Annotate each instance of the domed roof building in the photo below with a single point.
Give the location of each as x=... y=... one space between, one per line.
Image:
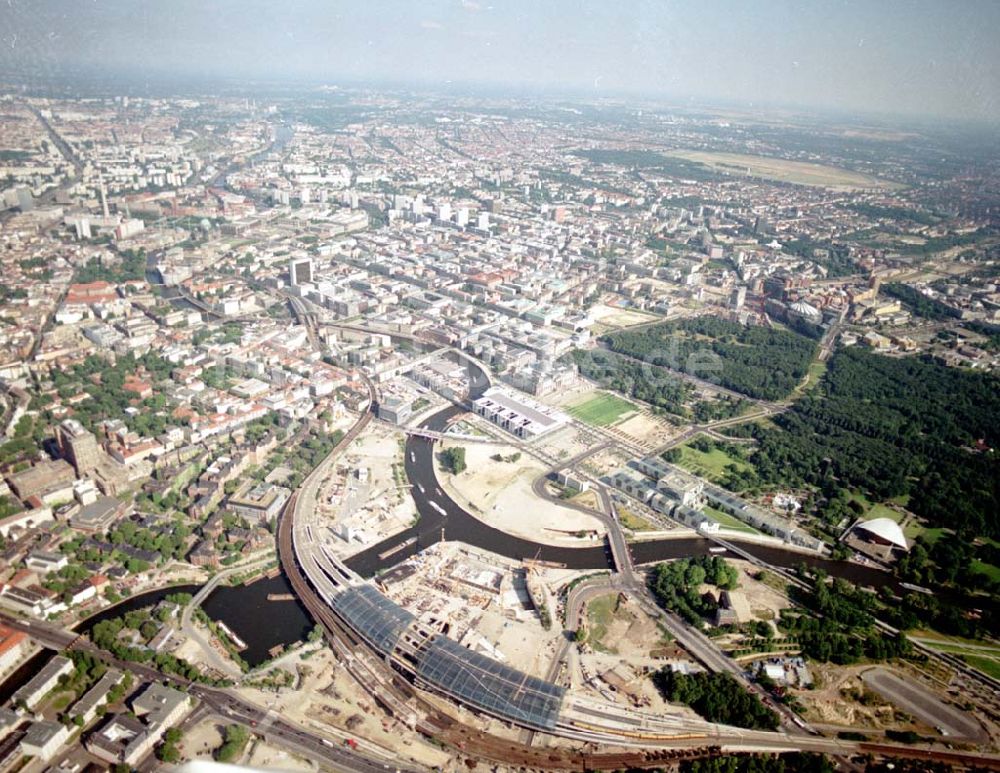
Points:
x=806 y=311
x=883 y=531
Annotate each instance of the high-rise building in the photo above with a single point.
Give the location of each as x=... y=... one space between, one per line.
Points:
x=104 y=199
x=129 y=228
x=444 y=212
x=78 y=445
x=300 y=271
x=25 y=201
x=82 y=226
x=737 y=298
x=462 y=217
x=484 y=221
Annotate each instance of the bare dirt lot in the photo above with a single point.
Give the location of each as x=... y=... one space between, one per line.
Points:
x=647 y=430
x=263 y=756
x=840 y=698
x=201 y=741
x=500 y=493
x=615 y=317
x=327 y=699
x=618 y=626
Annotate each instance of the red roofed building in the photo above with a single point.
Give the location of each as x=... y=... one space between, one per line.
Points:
x=99 y=581
x=489 y=279
x=13 y=645
x=92 y=292
x=136 y=385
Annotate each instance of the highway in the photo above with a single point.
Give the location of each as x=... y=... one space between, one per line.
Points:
x=626 y=580
x=397 y=697
x=429 y=496
x=366 y=670
x=435 y=509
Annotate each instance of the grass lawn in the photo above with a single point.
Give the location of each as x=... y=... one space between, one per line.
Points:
x=600 y=613
x=61 y=702
x=711 y=465
x=816 y=370
x=991 y=571
x=632 y=521
x=932 y=535
x=877 y=510
x=988 y=666
x=770 y=168
x=962 y=649
x=936 y=637
x=728 y=521
x=601 y=409
x=883 y=511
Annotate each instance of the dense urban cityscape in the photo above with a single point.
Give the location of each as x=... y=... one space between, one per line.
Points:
x=381 y=429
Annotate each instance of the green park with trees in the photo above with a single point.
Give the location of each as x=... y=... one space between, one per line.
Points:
x=764 y=363
x=716 y=697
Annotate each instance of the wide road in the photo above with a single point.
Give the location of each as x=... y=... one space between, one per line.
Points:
x=914 y=698
x=263 y=722
x=440 y=517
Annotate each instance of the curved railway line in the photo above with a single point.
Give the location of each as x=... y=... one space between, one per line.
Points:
x=400 y=699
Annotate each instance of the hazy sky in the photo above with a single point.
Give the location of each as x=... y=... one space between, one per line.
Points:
x=906 y=56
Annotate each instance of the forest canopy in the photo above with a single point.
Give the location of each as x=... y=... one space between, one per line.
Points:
x=766 y=363
x=894 y=427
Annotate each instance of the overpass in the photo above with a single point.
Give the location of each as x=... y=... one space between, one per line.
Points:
x=429 y=434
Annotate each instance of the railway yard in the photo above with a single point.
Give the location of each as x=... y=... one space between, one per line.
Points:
x=388 y=642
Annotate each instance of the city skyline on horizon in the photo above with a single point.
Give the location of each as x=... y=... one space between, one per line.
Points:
x=932 y=63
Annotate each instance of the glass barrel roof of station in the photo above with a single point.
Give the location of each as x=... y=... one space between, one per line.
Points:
x=490 y=685
x=378 y=619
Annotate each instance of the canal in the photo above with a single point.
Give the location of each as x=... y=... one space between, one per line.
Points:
x=441 y=517
x=262 y=623
x=263 y=613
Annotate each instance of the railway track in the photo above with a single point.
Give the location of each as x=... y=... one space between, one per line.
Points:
x=402 y=701
x=962 y=759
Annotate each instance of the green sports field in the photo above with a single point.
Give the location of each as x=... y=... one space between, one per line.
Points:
x=601 y=409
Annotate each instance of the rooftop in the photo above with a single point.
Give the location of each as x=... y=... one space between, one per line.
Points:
x=490 y=685
x=380 y=620
x=885 y=529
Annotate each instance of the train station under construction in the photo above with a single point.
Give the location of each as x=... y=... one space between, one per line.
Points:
x=445 y=666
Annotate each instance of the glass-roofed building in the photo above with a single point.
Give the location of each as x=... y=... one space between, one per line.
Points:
x=378 y=620
x=489 y=685
x=449 y=668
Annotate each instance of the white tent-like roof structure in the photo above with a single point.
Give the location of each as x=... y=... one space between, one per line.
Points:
x=885 y=530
